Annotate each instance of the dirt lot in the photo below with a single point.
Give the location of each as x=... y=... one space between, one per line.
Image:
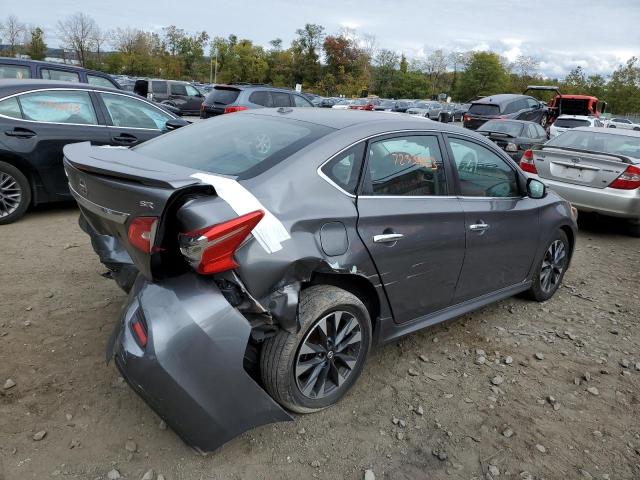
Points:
x=450 y=421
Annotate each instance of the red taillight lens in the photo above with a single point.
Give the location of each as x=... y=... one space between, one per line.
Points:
x=527 y=163
x=238 y=108
x=466 y=118
x=142 y=232
x=139 y=332
x=211 y=249
x=628 y=180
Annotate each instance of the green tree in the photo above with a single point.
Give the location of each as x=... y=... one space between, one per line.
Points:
x=623 y=90
x=484 y=75
x=305 y=48
x=36 y=48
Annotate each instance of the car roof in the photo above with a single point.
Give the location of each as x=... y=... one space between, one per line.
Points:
x=340 y=119
x=26 y=62
x=610 y=131
x=500 y=98
x=510 y=120
x=10 y=86
x=249 y=86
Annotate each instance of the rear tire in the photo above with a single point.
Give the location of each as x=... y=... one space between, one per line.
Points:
x=308 y=371
x=551 y=269
x=634 y=228
x=15 y=193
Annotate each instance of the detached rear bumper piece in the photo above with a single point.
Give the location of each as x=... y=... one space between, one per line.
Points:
x=191 y=370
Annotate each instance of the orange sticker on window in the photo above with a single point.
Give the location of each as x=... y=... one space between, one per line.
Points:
x=401 y=159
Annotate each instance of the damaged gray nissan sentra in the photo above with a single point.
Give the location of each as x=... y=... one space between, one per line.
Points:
x=265 y=252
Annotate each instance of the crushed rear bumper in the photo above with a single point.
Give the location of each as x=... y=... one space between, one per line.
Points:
x=191 y=370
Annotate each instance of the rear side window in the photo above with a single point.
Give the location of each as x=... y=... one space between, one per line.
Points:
x=100 y=81
x=261 y=97
x=14 y=71
x=300 y=101
x=241 y=144
x=484 y=109
x=405 y=166
x=60 y=75
x=222 y=96
x=58 y=106
x=571 y=122
x=10 y=108
x=159 y=87
x=178 y=89
x=281 y=99
x=130 y=112
x=344 y=169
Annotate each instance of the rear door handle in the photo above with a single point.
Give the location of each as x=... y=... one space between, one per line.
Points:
x=387 y=237
x=125 y=138
x=20 y=133
x=478 y=227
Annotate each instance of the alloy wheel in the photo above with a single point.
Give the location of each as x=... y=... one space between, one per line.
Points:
x=552 y=266
x=10 y=194
x=328 y=354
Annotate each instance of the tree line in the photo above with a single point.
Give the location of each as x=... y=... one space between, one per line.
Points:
x=346 y=62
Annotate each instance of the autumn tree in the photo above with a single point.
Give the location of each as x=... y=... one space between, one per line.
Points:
x=12 y=31
x=78 y=34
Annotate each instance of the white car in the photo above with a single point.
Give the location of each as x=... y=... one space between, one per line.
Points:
x=624 y=123
x=343 y=104
x=565 y=122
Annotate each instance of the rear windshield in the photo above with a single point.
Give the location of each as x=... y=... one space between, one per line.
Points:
x=222 y=96
x=484 y=109
x=597 y=141
x=237 y=144
x=571 y=122
x=499 y=126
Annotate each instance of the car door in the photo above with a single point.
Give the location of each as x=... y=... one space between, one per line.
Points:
x=501 y=223
x=46 y=122
x=194 y=99
x=131 y=120
x=411 y=223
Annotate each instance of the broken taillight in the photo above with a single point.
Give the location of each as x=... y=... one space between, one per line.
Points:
x=232 y=109
x=527 y=162
x=210 y=250
x=142 y=232
x=628 y=180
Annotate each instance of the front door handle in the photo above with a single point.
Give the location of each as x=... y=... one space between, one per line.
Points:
x=126 y=138
x=387 y=238
x=478 y=227
x=20 y=133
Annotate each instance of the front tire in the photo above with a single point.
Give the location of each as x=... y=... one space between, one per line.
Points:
x=551 y=269
x=15 y=193
x=314 y=368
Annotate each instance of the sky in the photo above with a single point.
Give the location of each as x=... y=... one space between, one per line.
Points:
x=562 y=34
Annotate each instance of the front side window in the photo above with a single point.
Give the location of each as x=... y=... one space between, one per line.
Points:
x=14 y=71
x=532 y=103
x=100 y=81
x=59 y=106
x=481 y=172
x=344 y=169
x=301 y=102
x=10 y=108
x=281 y=99
x=130 y=112
x=261 y=97
x=407 y=166
x=192 y=91
x=60 y=75
x=159 y=87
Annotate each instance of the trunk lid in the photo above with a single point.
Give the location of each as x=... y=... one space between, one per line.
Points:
x=113 y=186
x=590 y=169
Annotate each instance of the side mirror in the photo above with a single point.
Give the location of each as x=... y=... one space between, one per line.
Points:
x=536 y=189
x=175 y=123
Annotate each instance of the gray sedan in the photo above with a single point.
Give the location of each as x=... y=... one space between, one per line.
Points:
x=267 y=252
x=596 y=169
x=430 y=110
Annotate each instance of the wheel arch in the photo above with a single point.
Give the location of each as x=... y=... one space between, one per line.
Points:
x=568 y=231
x=32 y=176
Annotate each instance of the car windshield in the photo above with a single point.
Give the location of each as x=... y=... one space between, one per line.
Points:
x=241 y=145
x=598 y=141
x=572 y=122
x=500 y=126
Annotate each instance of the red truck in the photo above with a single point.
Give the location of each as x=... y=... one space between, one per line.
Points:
x=569 y=104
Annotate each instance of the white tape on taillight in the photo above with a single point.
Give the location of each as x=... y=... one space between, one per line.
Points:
x=270 y=232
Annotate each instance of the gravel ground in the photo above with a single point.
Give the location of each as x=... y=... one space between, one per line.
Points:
x=516 y=390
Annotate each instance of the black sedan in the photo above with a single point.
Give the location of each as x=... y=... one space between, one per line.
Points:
x=273 y=248
x=514 y=136
x=38 y=118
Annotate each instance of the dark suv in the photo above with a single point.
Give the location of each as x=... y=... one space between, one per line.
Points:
x=235 y=98
x=174 y=93
x=518 y=107
x=17 y=69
